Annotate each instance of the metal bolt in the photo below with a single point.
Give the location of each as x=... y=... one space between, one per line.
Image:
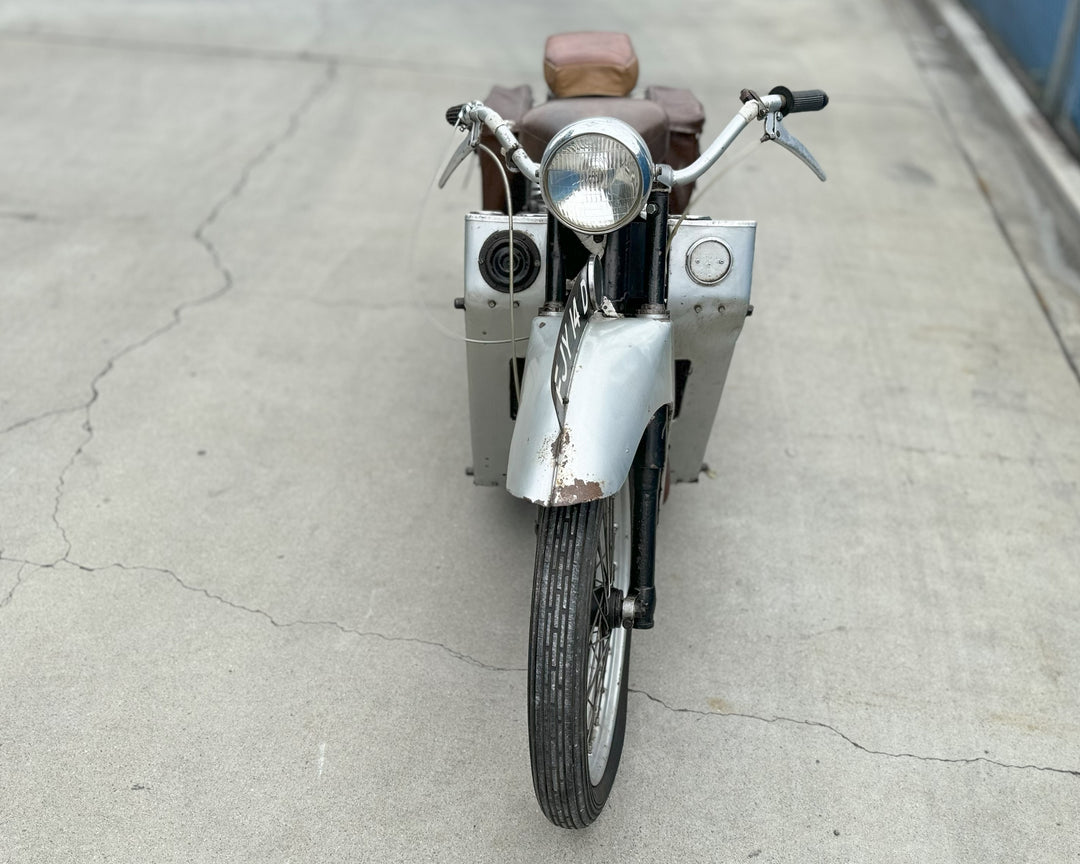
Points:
x=697 y=308
x=491 y=303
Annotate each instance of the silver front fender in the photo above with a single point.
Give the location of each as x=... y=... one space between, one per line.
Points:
x=624 y=374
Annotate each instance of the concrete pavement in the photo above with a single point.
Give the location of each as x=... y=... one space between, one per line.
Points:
x=251 y=609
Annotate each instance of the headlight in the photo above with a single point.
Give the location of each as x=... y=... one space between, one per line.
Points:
x=596 y=175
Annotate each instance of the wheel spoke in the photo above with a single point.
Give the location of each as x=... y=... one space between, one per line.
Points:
x=600 y=633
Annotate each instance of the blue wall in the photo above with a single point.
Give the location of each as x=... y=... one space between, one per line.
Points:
x=1028 y=31
x=1027 y=28
x=1072 y=91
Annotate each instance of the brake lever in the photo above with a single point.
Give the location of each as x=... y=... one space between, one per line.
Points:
x=775 y=131
x=464 y=149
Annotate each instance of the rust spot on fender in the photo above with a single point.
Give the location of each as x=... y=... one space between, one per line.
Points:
x=548 y=446
x=560 y=447
x=578 y=492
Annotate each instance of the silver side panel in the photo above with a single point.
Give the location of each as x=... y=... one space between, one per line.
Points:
x=487 y=320
x=622 y=377
x=707 y=320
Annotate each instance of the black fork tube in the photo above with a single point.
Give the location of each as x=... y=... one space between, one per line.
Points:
x=555 y=282
x=648 y=468
x=656 y=245
x=647 y=473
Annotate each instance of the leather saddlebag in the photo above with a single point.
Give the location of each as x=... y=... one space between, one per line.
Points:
x=686 y=119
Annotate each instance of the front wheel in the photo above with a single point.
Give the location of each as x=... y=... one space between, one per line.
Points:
x=579 y=656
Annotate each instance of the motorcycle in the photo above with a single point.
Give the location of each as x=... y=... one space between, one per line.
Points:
x=600 y=323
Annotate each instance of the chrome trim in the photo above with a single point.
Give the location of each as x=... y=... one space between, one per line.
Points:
x=690 y=266
x=750 y=111
x=480 y=113
x=619 y=131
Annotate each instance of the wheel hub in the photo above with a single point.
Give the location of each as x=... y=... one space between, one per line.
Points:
x=607 y=610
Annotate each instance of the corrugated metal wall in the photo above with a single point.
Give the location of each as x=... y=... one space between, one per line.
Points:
x=1042 y=39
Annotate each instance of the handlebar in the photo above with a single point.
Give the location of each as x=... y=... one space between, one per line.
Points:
x=478 y=112
x=780 y=101
x=796 y=101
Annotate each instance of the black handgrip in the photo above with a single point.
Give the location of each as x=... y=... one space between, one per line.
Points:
x=453 y=112
x=801 y=100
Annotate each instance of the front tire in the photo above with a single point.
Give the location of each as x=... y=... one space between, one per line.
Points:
x=579 y=655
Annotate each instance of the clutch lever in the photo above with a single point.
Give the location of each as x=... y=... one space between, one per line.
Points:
x=464 y=148
x=775 y=131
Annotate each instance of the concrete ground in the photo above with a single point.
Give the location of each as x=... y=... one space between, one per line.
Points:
x=251 y=609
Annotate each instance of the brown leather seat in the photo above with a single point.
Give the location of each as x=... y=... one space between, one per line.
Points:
x=590 y=64
x=592 y=74
x=540 y=124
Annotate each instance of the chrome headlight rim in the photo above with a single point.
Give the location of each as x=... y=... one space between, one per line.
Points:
x=620 y=132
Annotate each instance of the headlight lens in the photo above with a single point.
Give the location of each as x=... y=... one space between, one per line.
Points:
x=596 y=175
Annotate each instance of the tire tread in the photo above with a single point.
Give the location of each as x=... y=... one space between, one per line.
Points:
x=565 y=557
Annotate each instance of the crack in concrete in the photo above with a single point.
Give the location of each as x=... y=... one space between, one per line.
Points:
x=18 y=579
x=210 y=595
x=453 y=652
x=460 y=655
x=200 y=235
x=473 y=661
x=816 y=724
x=291 y=128
x=227 y=282
x=30 y=421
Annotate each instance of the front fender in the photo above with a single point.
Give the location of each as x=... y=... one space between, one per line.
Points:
x=623 y=375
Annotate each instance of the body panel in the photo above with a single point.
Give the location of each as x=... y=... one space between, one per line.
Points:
x=705 y=321
x=487 y=321
x=623 y=375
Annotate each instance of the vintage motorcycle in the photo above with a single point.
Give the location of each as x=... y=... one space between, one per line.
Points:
x=600 y=327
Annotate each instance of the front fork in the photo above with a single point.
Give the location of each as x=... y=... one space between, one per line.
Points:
x=648 y=470
x=649 y=297
x=647 y=477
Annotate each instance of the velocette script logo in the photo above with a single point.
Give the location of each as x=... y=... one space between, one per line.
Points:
x=579 y=306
